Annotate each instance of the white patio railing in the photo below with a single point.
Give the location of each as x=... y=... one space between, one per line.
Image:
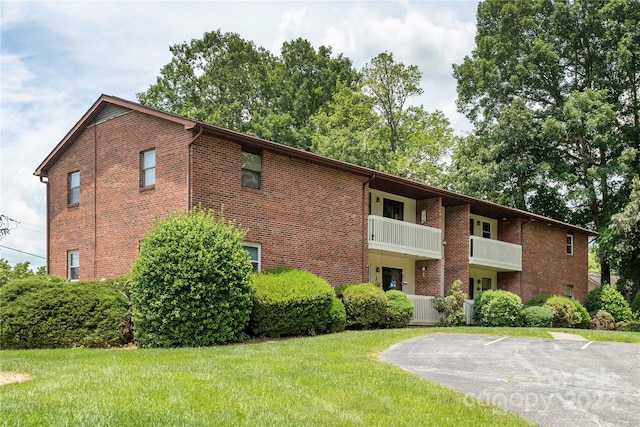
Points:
x=425 y=313
x=404 y=237
x=495 y=253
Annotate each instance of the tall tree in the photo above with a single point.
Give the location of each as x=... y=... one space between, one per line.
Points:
x=226 y=80
x=576 y=67
x=390 y=84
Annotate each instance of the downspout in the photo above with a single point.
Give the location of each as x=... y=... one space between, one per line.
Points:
x=189 y=166
x=95 y=199
x=365 y=229
x=46 y=182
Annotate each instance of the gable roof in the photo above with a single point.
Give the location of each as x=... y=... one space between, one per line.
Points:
x=103 y=108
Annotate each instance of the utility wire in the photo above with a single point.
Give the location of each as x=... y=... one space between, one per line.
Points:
x=22 y=252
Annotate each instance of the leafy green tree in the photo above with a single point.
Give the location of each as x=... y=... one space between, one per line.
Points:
x=622 y=241
x=574 y=70
x=226 y=80
x=390 y=85
x=191 y=282
x=19 y=271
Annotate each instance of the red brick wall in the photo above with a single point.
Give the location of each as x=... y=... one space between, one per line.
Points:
x=124 y=211
x=428 y=271
x=547 y=269
x=456 y=250
x=305 y=215
x=510 y=231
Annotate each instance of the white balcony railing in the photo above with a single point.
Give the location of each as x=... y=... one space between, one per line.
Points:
x=404 y=237
x=494 y=253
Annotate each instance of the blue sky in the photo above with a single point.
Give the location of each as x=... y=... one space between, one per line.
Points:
x=57 y=58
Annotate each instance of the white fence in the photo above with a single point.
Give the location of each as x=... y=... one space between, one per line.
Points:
x=425 y=313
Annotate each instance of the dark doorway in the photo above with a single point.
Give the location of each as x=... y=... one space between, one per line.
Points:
x=391 y=278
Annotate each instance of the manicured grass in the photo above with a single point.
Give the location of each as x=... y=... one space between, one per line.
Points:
x=326 y=380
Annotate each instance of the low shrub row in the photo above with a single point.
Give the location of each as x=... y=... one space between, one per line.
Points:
x=367 y=306
x=41 y=312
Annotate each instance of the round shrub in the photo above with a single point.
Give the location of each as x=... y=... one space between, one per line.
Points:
x=337 y=317
x=609 y=299
x=365 y=305
x=37 y=312
x=602 y=320
x=290 y=302
x=539 y=299
x=566 y=312
x=537 y=317
x=190 y=282
x=633 y=326
x=498 y=308
x=399 y=310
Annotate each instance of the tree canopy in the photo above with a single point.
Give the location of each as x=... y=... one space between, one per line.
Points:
x=553 y=88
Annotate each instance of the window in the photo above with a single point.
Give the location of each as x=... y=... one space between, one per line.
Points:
x=73 y=193
x=486 y=230
x=251 y=168
x=569 y=244
x=570 y=291
x=486 y=283
x=73 y=265
x=148 y=168
x=393 y=209
x=254 y=255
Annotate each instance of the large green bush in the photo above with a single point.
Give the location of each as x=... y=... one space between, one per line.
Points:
x=190 y=282
x=497 y=308
x=337 y=317
x=539 y=299
x=399 y=310
x=452 y=306
x=537 y=317
x=40 y=312
x=365 y=305
x=609 y=299
x=290 y=302
x=567 y=312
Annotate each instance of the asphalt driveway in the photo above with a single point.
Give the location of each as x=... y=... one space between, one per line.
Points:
x=550 y=382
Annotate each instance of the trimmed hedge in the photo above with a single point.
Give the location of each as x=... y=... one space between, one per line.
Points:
x=633 y=326
x=337 y=317
x=399 y=310
x=609 y=299
x=365 y=305
x=537 y=317
x=567 y=312
x=190 y=282
x=497 y=308
x=37 y=312
x=539 y=299
x=292 y=302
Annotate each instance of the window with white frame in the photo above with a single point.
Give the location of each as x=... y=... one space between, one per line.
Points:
x=148 y=168
x=251 y=168
x=73 y=188
x=569 y=244
x=254 y=255
x=73 y=265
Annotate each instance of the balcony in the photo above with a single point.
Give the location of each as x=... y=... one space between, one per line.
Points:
x=501 y=256
x=404 y=237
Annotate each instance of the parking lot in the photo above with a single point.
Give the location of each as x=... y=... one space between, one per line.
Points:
x=553 y=382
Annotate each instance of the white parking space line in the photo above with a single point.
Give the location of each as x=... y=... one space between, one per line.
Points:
x=495 y=341
x=586 y=345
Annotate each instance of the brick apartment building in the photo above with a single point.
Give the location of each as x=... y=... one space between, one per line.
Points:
x=123 y=165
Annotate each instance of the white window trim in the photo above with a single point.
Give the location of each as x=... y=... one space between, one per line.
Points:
x=144 y=168
x=570 y=245
x=259 y=247
x=70 y=265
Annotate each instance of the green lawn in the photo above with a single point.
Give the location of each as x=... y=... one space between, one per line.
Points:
x=326 y=380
